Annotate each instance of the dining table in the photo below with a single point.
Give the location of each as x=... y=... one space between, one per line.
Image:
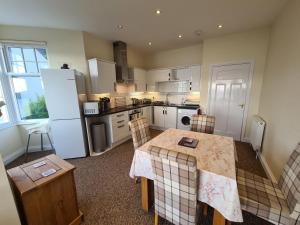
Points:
x=216 y=158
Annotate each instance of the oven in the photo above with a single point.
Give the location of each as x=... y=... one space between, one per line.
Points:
x=135 y=113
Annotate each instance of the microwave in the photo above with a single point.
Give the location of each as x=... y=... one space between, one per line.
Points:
x=91 y=108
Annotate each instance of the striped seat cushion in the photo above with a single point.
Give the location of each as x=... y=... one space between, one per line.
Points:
x=203 y=124
x=175 y=185
x=289 y=182
x=139 y=131
x=263 y=198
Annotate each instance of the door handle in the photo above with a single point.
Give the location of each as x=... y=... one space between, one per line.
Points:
x=241 y=105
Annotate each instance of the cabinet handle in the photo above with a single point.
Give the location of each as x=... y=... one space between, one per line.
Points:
x=121 y=121
x=166 y=112
x=115 y=86
x=120 y=115
x=121 y=126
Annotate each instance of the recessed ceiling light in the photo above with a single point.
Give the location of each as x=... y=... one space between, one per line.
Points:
x=180 y=36
x=158 y=11
x=150 y=43
x=220 y=26
x=120 y=26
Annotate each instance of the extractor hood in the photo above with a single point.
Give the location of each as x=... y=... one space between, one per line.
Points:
x=120 y=56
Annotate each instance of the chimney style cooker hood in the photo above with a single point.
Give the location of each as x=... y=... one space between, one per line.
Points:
x=123 y=75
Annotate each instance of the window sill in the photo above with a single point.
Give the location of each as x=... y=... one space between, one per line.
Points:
x=6 y=125
x=30 y=122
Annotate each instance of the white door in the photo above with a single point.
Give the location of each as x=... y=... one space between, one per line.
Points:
x=148 y=114
x=68 y=138
x=107 y=75
x=228 y=91
x=159 y=116
x=196 y=75
x=170 y=117
x=61 y=94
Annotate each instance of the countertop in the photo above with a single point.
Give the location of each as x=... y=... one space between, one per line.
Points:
x=132 y=107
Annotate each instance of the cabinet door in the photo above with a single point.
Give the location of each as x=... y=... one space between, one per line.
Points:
x=183 y=74
x=196 y=76
x=170 y=117
x=159 y=119
x=154 y=76
x=107 y=74
x=103 y=76
x=140 y=79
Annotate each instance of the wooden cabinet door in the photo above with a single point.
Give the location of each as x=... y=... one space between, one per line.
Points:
x=159 y=117
x=170 y=117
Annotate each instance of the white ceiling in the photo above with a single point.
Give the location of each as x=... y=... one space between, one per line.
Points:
x=141 y=24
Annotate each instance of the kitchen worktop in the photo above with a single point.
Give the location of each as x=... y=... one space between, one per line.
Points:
x=132 y=107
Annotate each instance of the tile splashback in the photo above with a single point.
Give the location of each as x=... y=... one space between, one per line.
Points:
x=154 y=96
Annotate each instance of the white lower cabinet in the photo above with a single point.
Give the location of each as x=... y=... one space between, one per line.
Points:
x=165 y=117
x=118 y=128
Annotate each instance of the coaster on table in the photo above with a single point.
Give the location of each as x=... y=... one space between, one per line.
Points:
x=188 y=142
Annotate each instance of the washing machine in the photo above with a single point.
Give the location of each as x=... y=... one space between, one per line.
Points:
x=184 y=117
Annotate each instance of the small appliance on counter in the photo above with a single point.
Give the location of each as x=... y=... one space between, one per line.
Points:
x=136 y=101
x=146 y=101
x=91 y=108
x=104 y=104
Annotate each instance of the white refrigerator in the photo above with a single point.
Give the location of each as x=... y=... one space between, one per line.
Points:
x=64 y=93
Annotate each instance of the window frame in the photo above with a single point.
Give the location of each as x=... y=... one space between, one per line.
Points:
x=12 y=105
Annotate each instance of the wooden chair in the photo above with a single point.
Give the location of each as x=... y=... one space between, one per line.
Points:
x=175 y=186
x=203 y=124
x=276 y=203
x=139 y=131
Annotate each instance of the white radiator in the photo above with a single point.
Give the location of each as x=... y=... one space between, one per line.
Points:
x=257 y=132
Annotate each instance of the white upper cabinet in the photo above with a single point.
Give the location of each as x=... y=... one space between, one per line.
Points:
x=196 y=77
x=183 y=73
x=103 y=76
x=139 y=79
x=156 y=75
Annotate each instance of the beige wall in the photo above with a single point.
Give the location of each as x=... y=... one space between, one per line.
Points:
x=10 y=141
x=279 y=104
x=96 y=47
x=246 y=46
x=176 y=57
x=64 y=46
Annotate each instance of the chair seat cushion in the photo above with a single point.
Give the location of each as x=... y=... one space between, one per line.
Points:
x=262 y=198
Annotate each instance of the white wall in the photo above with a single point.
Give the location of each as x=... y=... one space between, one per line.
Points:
x=246 y=46
x=279 y=104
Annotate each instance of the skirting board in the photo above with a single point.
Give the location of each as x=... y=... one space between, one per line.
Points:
x=16 y=154
x=267 y=168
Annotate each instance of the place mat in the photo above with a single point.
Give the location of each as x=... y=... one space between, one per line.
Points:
x=188 y=142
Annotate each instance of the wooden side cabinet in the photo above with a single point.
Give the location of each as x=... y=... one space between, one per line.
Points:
x=46 y=200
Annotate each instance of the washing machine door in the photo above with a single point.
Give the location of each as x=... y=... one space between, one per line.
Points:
x=186 y=120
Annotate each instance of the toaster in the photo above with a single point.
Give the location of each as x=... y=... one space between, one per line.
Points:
x=91 y=108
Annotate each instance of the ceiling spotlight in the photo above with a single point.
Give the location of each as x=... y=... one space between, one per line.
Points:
x=180 y=36
x=220 y=26
x=150 y=43
x=120 y=26
x=158 y=11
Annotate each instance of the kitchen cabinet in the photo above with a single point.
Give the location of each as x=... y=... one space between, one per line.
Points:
x=139 y=79
x=191 y=74
x=170 y=117
x=195 y=78
x=103 y=76
x=165 y=117
x=120 y=128
x=157 y=75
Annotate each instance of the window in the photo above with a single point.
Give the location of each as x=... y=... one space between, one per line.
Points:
x=23 y=64
x=4 y=118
